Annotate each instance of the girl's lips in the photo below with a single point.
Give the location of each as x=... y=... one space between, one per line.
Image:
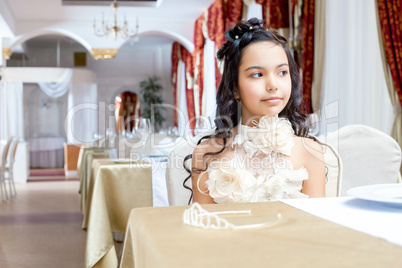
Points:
x=273 y=100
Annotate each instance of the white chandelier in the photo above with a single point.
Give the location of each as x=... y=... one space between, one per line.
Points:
x=114 y=30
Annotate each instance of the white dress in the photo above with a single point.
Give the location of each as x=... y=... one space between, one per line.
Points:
x=259 y=170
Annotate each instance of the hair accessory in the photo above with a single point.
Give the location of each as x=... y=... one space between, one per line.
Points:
x=251 y=27
x=196 y=216
x=236 y=37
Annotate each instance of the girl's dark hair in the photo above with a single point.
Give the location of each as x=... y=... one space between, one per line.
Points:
x=238 y=38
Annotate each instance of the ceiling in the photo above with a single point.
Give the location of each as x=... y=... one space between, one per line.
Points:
x=19 y=17
x=53 y=10
x=153 y=3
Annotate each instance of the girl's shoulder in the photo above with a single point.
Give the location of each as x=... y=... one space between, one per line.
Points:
x=306 y=151
x=212 y=149
x=306 y=144
x=211 y=145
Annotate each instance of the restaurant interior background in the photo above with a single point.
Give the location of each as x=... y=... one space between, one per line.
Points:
x=348 y=67
x=70 y=219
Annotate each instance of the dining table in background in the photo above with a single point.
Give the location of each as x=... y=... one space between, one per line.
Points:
x=84 y=167
x=46 y=152
x=310 y=233
x=159 y=190
x=115 y=187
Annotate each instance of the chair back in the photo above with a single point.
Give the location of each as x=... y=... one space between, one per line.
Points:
x=368 y=155
x=5 y=152
x=333 y=169
x=13 y=151
x=176 y=174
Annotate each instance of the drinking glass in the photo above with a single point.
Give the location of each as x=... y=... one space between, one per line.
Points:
x=313 y=123
x=110 y=136
x=141 y=132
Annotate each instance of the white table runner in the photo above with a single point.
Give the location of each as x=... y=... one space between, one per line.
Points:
x=374 y=218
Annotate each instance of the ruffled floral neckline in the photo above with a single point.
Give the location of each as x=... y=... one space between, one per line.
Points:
x=271 y=135
x=259 y=169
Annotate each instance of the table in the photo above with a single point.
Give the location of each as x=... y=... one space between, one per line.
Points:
x=156 y=237
x=93 y=171
x=159 y=190
x=85 y=159
x=46 y=152
x=116 y=190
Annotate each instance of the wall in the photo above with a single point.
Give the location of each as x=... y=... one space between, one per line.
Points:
x=132 y=64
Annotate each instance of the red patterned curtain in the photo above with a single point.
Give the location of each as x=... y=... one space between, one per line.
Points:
x=187 y=58
x=390 y=12
x=175 y=61
x=278 y=16
x=232 y=12
x=307 y=53
x=216 y=32
x=198 y=60
x=181 y=53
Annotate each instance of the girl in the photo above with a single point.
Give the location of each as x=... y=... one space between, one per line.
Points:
x=262 y=152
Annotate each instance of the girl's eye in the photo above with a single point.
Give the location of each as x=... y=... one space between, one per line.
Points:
x=256 y=75
x=283 y=73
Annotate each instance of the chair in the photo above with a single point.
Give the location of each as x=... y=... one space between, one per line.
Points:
x=10 y=167
x=333 y=168
x=369 y=156
x=3 y=169
x=176 y=174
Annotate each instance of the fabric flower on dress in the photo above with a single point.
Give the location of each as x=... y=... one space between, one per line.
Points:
x=273 y=134
x=228 y=185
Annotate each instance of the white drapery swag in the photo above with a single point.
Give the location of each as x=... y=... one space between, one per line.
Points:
x=354 y=88
x=59 y=88
x=183 y=120
x=82 y=117
x=11 y=99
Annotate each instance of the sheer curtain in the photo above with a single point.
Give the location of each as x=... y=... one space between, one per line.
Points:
x=82 y=117
x=254 y=10
x=209 y=92
x=354 y=86
x=12 y=117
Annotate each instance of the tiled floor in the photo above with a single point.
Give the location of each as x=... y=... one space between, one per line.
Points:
x=41 y=227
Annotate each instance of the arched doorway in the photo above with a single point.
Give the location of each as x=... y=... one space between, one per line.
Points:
x=127 y=107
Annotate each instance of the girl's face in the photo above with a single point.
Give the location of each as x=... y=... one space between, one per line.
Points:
x=264 y=80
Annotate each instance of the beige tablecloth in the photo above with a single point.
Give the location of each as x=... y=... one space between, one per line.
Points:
x=86 y=157
x=96 y=164
x=116 y=190
x=156 y=237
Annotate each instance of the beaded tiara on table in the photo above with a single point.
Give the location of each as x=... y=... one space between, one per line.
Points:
x=196 y=216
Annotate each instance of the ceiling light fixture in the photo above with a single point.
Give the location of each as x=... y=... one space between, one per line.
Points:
x=115 y=30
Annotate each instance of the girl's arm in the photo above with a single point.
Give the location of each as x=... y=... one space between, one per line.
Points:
x=200 y=191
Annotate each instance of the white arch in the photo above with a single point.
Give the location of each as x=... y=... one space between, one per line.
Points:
x=47 y=31
x=168 y=34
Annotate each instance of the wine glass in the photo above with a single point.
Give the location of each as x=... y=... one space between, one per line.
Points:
x=141 y=132
x=313 y=123
x=110 y=136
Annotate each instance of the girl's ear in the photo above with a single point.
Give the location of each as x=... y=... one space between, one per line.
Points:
x=236 y=95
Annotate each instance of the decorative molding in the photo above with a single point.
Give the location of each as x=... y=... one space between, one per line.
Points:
x=7 y=53
x=104 y=53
